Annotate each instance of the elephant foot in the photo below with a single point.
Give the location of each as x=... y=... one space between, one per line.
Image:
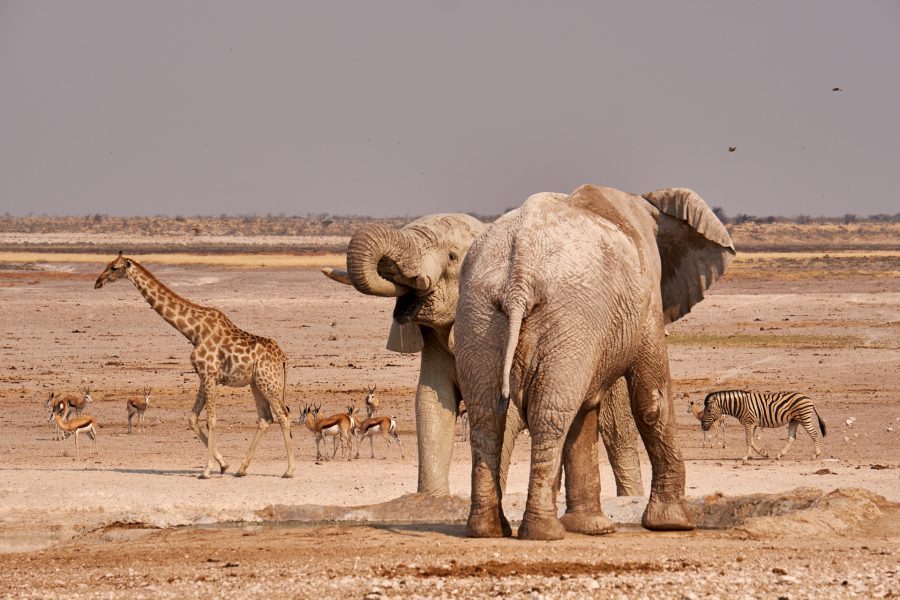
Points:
x=588 y=523
x=541 y=528
x=668 y=516
x=488 y=524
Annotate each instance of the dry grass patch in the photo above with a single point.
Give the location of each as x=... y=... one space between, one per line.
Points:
x=746 y=340
x=222 y=260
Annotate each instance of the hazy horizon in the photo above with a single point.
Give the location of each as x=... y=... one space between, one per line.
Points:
x=406 y=108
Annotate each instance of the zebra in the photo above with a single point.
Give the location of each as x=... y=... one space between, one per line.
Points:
x=760 y=409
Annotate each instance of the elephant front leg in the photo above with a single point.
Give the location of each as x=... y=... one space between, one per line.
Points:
x=584 y=513
x=436 y=406
x=654 y=415
x=621 y=438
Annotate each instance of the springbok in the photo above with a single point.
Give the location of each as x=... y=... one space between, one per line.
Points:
x=386 y=426
x=79 y=404
x=337 y=426
x=354 y=421
x=87 y=424
x=138 y=407
x=372 y=402
x=59 y=434
x=718 y=426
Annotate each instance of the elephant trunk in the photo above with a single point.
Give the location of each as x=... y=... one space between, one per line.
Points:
x=370 y=248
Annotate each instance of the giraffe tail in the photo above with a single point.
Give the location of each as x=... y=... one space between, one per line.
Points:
x=284 y=392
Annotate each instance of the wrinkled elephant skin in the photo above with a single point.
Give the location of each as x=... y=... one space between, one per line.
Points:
x=559 y=300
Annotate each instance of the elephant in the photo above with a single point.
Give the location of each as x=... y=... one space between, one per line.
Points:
x=559 y=300
x=419 y=264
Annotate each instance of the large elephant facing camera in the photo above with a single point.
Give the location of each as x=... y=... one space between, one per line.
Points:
x=419 y=265
x=559 y=299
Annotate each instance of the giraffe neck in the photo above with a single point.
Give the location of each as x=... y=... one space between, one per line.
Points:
x=183 y=315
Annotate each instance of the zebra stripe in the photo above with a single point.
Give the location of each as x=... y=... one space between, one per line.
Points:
x=765 y=410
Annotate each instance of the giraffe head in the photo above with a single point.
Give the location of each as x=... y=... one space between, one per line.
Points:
x=114 y=271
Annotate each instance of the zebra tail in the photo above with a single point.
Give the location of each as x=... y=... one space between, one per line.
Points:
x=821 y=424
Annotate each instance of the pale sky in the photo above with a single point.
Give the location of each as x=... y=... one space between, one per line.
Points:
x=415 y=107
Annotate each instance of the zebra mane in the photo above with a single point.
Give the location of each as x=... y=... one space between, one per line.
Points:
x=719 y=393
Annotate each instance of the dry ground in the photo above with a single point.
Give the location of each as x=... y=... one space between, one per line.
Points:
x=769 y=325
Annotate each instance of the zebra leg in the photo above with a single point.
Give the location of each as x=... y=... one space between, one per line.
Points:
x=722 y=428
x=748 y=434
x=762 y=453
x=808 y=426
x=792 y=435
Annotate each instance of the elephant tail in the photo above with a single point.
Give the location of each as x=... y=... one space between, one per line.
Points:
x=515 y=314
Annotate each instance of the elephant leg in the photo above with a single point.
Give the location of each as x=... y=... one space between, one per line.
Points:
x=654 y=413
x=583 y=511
x=436 y=406
x=552 y=406
x=621 y=438
x=486 y=518
x=514 y=426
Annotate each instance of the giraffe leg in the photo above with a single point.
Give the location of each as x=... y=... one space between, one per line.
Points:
x=261 y=427
x=288 y=445
x=195 y=426
x=792 y=435
x=265 y=416
x=209 y=388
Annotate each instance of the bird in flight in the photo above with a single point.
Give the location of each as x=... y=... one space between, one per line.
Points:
x=732 y=148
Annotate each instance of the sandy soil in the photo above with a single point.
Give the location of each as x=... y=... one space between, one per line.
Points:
x=834 y=336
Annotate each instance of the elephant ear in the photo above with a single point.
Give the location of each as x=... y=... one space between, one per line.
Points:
x=694 y=248
x=405 y=338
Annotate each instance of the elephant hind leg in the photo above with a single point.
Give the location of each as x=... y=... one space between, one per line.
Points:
x=553 y=407
x=654 y=414
x=486 y=518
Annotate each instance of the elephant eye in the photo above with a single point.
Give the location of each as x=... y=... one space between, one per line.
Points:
x=114 y=268
x=453 y=256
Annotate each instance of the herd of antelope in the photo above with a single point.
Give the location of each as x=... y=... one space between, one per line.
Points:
x=345 y=429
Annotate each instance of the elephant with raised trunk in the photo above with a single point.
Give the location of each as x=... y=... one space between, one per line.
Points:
x=419 y=265
x=559 y=300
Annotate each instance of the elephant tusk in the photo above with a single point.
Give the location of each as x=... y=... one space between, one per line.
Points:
x=338 y=275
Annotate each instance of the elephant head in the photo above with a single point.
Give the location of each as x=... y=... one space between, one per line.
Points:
x=419 y=265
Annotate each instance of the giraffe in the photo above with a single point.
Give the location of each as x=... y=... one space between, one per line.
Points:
x=223 y=354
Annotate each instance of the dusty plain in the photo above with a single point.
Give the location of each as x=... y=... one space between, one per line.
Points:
x=134 y=521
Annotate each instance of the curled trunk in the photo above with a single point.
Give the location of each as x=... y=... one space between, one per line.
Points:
x=373 y=247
